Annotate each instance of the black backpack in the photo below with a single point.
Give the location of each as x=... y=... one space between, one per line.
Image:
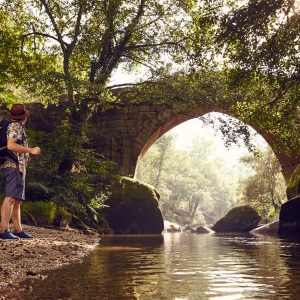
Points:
x=5 y=154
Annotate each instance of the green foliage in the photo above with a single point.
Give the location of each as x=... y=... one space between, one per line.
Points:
x=69 y=187
x=265 y=190
x=43 y=212
x=293 y=188
x=259 y=41
x=36 y=191
x=73 y=47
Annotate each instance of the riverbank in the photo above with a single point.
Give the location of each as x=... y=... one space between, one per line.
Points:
x=50 y=249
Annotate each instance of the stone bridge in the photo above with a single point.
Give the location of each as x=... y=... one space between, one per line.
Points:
x=124 y=134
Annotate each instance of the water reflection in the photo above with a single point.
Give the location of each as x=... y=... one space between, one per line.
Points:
x=180 y=266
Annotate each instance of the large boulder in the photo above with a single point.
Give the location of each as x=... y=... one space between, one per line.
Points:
x=293 y=188
x=133 y=207
x=289 y=218
x=267 y=229
x=239 y=219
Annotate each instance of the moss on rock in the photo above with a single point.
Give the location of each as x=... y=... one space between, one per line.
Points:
x=293 y=188
x=133 y=207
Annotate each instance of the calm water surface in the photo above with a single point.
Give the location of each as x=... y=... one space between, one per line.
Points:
x=179 y=266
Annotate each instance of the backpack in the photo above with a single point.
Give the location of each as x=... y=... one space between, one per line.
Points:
x=5 y=154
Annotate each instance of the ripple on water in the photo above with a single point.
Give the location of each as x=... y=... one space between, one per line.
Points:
x=179 y=266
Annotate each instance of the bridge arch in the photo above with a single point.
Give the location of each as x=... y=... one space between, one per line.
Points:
x=288 y=164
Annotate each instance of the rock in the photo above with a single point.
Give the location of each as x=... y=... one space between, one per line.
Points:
x=268 y=229
x=203 y=230
x=263 y=221
x=171 y=227
x=187 y=228
x=133 y=207
x=240 y=219
x=31 y=273
x=289 y=218
x=293 y=188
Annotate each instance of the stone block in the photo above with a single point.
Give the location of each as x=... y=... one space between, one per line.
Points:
x=147 y=115
x=144 y=108
x=132 y=116
x=117 y=123
x=131 y=123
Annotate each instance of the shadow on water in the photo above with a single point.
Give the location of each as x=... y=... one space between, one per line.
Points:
x=182 y=266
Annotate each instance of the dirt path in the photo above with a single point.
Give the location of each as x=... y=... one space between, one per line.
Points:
x=50 y=249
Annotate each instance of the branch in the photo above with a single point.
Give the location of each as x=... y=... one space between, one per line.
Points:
x=120 y=48
x=41 y=34
x=159 y=16
x=130 y=84
x=52 y=19
x=77 y=26
x=147 y=65
x=151 y=45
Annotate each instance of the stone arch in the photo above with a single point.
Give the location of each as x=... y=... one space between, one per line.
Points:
x=288 y=164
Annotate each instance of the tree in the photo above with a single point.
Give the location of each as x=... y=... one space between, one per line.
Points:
x=265 y=190
x=191 y=184
x=260 y=45
x=69 y=49
x=90 y=39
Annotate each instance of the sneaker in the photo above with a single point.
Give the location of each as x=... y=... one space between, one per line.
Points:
x=7 y=235
x=23 y=235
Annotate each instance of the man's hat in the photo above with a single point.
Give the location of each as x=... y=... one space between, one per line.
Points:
x=18 y=112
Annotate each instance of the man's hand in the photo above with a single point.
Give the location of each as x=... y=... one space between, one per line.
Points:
x=35 y=151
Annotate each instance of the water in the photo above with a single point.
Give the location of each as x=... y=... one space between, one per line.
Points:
x=179 y=266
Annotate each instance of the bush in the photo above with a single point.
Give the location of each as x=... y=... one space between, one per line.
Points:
x=36 y=191
x=38 y=213
x=293 y=188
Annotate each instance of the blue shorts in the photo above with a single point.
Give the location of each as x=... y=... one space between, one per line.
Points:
x=14 y=183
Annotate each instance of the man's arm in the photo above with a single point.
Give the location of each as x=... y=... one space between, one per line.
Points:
x=13 y=146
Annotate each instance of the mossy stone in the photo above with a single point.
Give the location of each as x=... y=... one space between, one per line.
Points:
x=293 y=188
x=240 y=219
x=133 y=207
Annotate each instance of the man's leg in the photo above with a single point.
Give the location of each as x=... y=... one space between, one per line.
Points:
x=6 y=212
x=16 y=216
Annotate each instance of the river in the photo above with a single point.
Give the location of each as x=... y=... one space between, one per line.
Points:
x=179 y=266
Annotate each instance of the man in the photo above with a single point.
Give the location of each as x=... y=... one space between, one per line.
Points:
x=14 y=174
